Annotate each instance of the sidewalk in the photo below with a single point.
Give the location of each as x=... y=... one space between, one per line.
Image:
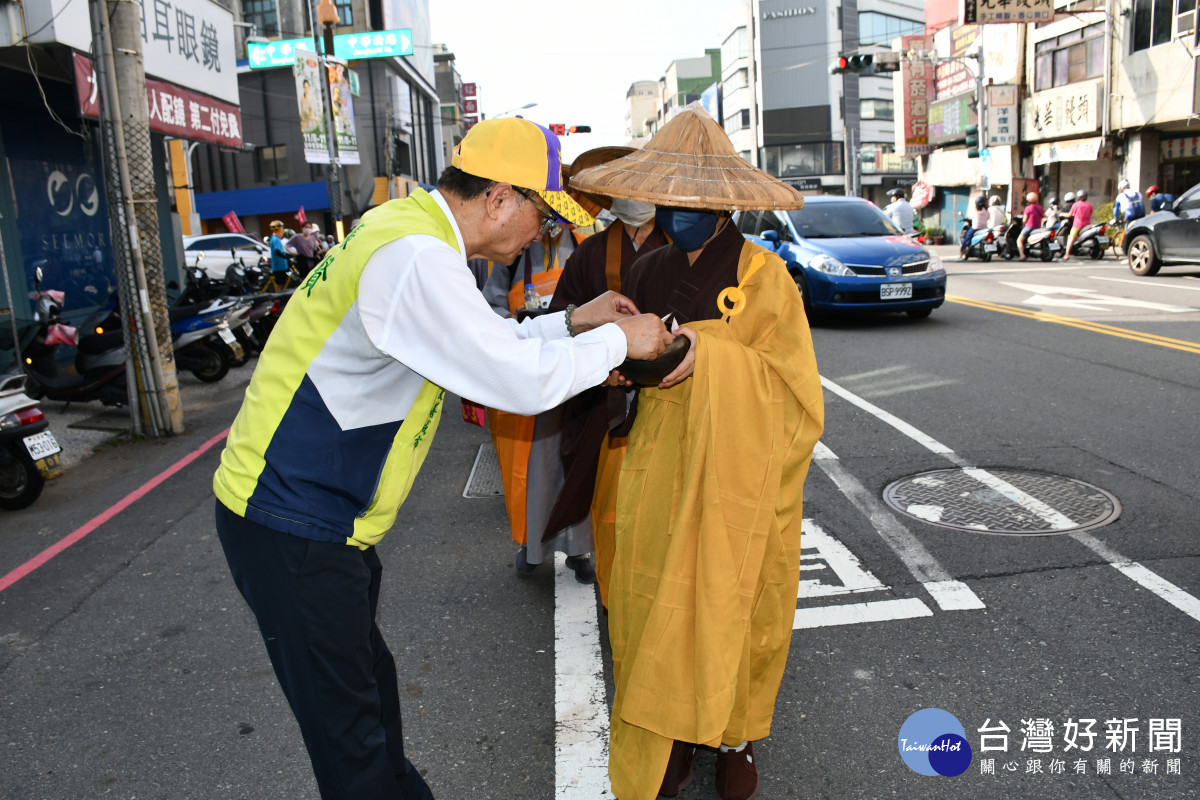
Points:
x=82 y=428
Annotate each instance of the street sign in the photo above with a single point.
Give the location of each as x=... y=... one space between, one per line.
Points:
x=280 y=53
x=373 y=44
x=348 y=46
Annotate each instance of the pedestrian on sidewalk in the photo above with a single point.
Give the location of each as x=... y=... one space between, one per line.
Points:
x=707 y=561
x=341 y=410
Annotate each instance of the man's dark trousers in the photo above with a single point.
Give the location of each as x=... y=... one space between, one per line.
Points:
x=315 y=604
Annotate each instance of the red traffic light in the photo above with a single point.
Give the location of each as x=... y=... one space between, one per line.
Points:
x=558 y=130
x=843 y=62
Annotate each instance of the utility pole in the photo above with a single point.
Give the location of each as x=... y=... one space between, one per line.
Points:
x=121 y=75
x=325 y=16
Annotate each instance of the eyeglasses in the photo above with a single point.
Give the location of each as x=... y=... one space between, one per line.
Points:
x=550 y=226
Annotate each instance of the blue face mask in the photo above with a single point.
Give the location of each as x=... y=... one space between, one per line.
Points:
x=688 y=228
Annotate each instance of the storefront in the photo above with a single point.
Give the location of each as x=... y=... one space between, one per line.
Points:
x=1063 y=127
x=1180 y=168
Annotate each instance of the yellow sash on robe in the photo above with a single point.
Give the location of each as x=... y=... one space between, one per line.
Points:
x=703 y=587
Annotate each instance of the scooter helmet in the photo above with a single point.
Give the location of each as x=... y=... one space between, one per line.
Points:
x=1122 y=185
x=1081 y=194
x=1031 y=197
x=896 y=193
x=979 y=202
x=994 y=200
x=1069 y=197
x=1053 y=201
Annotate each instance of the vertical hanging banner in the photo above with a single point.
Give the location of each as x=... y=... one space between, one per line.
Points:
x=914 y=86
x=343 y=113
x=310 y=96
x=233 y=223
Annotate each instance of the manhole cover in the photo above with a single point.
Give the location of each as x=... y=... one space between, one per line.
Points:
x=1012 y=502
x=485 y=479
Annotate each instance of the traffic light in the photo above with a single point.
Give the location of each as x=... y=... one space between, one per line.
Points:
x=972 y=132
x=579 y=129
x=861 y=62
x=557 y=129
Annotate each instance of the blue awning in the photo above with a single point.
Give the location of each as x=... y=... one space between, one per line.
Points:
x=263 y=200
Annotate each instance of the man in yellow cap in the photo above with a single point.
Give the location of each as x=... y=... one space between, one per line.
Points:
x=344 y=403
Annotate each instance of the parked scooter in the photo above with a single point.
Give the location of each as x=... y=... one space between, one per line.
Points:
x=1042 y=243
x=1007 y=240
x=29 y=453
x=99 y=361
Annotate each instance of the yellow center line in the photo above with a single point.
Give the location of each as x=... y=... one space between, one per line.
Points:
x=1095 y=327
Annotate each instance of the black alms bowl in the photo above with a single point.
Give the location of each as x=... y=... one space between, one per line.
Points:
x=651 y=373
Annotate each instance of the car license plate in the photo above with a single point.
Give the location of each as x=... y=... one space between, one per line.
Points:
x=989 y=248
x=1102 y=239
x=226 y=335
x=895 y=291
x=1055 y=246
x=41 y=445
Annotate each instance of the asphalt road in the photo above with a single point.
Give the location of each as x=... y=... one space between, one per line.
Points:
x=129 y=666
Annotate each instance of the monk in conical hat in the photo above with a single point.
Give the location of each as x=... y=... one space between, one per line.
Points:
x=702 y=594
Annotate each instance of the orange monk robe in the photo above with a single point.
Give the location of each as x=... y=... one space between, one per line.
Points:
x=703 y=589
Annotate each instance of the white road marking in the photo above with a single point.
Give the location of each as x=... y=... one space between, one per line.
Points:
x=1138 y=573
x=856 y=613
x=923 y=566
x=580 y=706
x=1150 y=282
x=1088 y=299
x=816 y=544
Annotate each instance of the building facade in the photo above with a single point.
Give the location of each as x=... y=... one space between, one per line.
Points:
x=739 y=101
x=641 y=112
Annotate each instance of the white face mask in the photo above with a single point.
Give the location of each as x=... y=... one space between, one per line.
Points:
x=632 y=212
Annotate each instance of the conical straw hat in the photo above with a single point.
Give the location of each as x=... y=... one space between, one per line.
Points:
x=592 y=203
x=690 y=163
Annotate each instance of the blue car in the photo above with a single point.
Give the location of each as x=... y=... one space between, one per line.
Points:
x=847 y=255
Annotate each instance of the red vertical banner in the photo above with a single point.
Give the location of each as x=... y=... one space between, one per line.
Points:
x=300 y=216
x=915 y=82
x=233 y=223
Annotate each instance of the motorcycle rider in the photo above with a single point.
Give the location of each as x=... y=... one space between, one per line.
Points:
x=900 y=211
x=1081 y=217
x=979 y=221
x=996 y=215
x=1033 y=219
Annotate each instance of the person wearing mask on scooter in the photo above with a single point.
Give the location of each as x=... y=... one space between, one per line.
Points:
x=900 y=211
x=1081 y=217
x=342 y=408
x=1032 y=217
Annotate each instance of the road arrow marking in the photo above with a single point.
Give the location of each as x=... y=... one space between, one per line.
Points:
x=1086 y=298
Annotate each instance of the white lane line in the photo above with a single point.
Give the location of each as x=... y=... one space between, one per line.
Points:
x=580 y=706
x=1056 y=519
x=928 y=442
x=1136 y=572
x=856 y=613
x=1146 y=282
x=924 y=567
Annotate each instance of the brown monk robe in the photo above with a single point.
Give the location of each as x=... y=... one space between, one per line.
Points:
x=702 y=594
x=601 y=262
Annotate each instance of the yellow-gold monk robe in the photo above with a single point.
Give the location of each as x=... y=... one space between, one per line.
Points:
x=703 y=587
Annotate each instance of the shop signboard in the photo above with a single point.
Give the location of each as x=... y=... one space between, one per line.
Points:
x=914 y=85
x=1073 y=150
x=174 y=110
x=1001 y=115
x=1067 y=111
x=986 y=12
x=948 y=119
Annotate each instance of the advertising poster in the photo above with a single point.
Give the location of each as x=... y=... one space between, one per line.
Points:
x=307 y=70
x=343 y=114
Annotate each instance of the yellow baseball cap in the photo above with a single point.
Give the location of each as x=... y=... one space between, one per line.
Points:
x=523 y=153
